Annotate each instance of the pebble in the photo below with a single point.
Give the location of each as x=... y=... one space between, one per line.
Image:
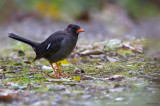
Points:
x=119 y=89
x=77 y=71
x=130 y=72
x=54 y=103
x=119 y=99
x=88 y=78
x=58 y=88
x=69 y=94
x=86 y=97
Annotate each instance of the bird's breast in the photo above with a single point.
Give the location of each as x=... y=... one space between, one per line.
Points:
x=68 y=46
x=65 y=50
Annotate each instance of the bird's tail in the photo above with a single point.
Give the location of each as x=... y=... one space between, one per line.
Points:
x=19 y=38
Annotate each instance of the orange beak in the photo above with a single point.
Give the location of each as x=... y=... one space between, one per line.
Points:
x=80 y=30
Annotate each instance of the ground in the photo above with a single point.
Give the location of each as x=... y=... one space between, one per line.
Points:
x=109 y=72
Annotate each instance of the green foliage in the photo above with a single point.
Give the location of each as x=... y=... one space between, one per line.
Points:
x=140 y=8
x=25 y=5
x=71 y=9
x=65 y=10
x=22 y=46
x=24 y=71
x=56 y=9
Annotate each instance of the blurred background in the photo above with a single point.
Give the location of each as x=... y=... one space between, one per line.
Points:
x=101 y=19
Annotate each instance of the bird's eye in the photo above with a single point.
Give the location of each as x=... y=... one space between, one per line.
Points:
x=72 y=28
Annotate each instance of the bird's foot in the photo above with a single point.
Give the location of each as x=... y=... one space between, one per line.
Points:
x=56 y=75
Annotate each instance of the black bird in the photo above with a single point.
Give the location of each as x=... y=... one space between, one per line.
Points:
x=56 y=47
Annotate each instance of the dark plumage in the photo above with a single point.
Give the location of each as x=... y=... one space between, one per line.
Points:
x=57 y=46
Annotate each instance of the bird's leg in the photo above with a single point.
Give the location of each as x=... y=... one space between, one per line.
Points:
x=53 y=69
x=60 y=74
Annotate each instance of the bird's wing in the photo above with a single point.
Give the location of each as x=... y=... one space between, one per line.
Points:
x=49 y=46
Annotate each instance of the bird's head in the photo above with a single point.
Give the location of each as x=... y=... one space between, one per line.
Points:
x=74 y=29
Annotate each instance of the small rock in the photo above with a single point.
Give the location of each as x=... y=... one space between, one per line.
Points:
x=2 y=77
x=71 y=84
x=102 y=79
x=54 y=103
x=99 y=66
x=137 y=73
x=134 y=73
x=57 y=88
x=119 y=99
x=86 y=97
x=28 y=101
x=111 y=59
x=117 y=77
x=27 y=61
x=69 y=94
x=85 y=61
x=77 y=71
x=59 y=101
x=119 y=89
x=108 y=96
x=130 y=73
x=141 y=72
x=88 y=78
x=39 y=103
x=97 y=56
x=47 y=69
x=113 y=43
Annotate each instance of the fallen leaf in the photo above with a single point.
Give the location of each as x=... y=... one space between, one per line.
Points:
x=77 y=78
x=6 y=98
x=136 y=49
x=75 y=60
x=7 y=95
x=111 y=59
x=63 y=62
x=91 y=52
x=117 y=77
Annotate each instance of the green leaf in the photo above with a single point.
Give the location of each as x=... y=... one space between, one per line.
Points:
x=77 y=78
